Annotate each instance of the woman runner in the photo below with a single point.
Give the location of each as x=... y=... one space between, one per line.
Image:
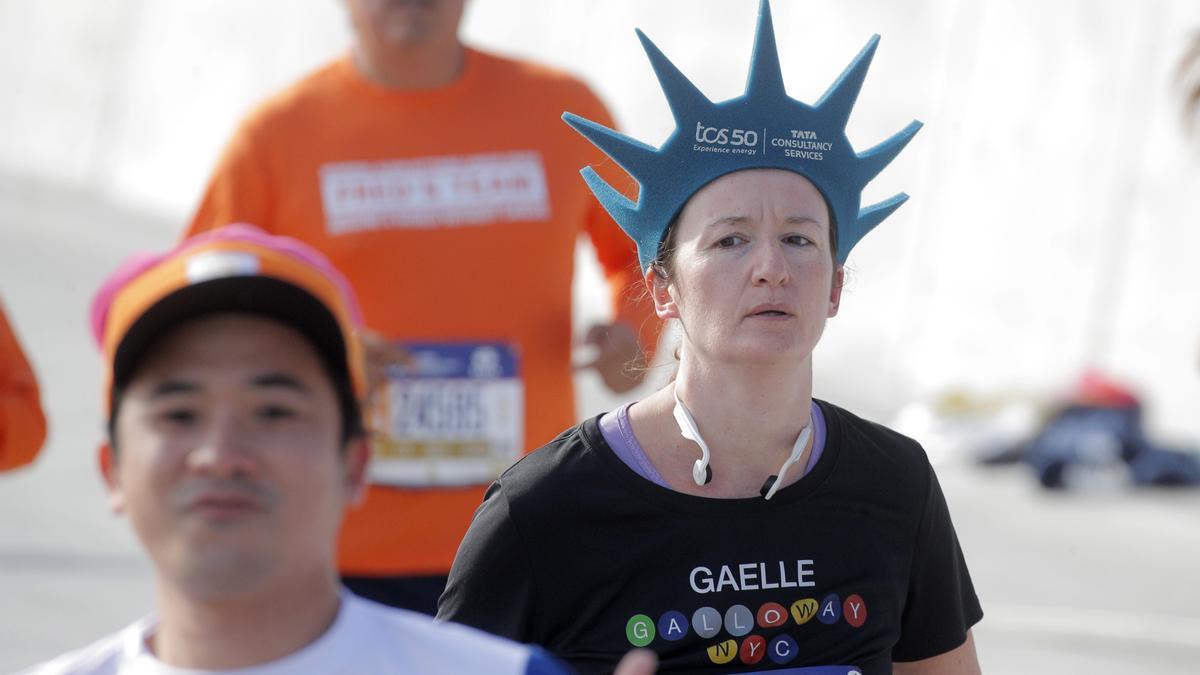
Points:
x=729 y=521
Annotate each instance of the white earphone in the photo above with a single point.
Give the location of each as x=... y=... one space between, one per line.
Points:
x=702 y=472
x=773 y=483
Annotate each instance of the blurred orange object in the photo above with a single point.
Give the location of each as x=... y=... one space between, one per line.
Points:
x=22 y=424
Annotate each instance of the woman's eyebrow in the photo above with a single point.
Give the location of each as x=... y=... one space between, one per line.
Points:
x=729 y=221
x=799 y=220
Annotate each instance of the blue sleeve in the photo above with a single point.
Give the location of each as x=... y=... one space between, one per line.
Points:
x=542 y=663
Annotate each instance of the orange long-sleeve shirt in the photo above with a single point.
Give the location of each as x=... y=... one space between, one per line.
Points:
x=22 y=424
x=454 y=213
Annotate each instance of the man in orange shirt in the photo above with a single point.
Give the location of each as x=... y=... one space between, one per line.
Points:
x=441 y=181
x=22 y=424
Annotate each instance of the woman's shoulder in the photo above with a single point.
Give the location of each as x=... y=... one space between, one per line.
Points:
x=574 y=455
x=871 y=444
x=859 y=428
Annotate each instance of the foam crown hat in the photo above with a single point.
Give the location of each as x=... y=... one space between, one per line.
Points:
x=762 y=128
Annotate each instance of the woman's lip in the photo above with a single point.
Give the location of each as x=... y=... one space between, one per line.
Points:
x=769 y=312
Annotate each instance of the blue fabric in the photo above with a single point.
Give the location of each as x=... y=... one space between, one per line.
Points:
x=763 y=128
x=542 y=663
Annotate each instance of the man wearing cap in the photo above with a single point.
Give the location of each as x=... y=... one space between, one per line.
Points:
x=22 y=424
x=235 y=445
x=438 y=178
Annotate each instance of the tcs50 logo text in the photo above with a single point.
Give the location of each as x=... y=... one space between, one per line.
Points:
x=725 y=136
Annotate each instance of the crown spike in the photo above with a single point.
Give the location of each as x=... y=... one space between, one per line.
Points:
x=876 y=158
x=637 y=158
x=766 y=78
x=868 y=218
x=839 y=100
x=762 y=128
x=620 y=207
x=682 y=95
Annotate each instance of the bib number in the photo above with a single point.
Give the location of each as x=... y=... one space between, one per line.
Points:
x=455 y=419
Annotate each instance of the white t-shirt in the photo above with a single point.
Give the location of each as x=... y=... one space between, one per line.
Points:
x=366 y=637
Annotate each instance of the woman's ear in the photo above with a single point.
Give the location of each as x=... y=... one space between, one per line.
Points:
x=660 y=291
x=835 y=293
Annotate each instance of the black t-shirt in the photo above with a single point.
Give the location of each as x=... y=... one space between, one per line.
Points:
x=854 y=566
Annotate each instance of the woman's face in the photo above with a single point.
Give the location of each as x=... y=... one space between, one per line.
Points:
x=753 y=277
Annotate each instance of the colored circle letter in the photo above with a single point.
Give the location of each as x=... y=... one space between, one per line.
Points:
x=639 y=630
x=804 y=610
x=723 y=652
x=855 y=610
x=783 y=649
x=771 y=615
x=672 y=625
x=738 y=620
x=831 y=609
x=753 y=649
x=706 y=621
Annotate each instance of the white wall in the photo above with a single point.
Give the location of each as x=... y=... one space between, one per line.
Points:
x=1052 y=224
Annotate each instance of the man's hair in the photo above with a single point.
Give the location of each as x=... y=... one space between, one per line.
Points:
x=352 y=426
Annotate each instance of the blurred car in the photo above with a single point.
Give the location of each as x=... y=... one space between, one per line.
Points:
x=1096 y=439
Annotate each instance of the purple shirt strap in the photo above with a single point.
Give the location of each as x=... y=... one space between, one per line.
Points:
x=614 y=426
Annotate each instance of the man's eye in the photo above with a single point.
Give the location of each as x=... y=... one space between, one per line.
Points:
x=179 y=416
x=276 y=412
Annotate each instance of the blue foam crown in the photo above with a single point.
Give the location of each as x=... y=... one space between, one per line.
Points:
x=762 y=128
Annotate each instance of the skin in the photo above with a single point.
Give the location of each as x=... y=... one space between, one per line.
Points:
x=231 y=469
x=753 y=282
x=638 y=662
x=618 y=357
x=407 y=44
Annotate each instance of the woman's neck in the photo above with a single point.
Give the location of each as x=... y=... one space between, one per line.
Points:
x=749 y=418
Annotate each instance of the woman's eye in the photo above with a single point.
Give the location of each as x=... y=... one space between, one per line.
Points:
x=798 y=240
x=728 y=242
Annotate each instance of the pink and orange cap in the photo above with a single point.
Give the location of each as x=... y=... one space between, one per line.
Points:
x=236 y=268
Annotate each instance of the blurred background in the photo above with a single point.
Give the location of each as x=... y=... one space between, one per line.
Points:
x=1046 y=264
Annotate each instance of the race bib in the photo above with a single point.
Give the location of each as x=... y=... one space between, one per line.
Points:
x=455 y=418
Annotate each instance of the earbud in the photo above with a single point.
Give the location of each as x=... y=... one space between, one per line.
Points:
x=767 y=485
x=701 y=471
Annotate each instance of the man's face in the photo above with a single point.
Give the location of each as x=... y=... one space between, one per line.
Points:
x=398 y=23
x=228 y=457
